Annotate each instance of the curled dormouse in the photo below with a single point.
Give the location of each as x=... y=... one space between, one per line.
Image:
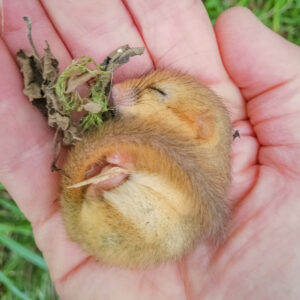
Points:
x=155 y=177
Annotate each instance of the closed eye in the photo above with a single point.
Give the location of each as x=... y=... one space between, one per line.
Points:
x=157 y=90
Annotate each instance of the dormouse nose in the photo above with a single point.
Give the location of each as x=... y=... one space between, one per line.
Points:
x=123 y=95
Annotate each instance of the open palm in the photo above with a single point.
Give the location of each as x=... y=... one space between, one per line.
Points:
x=258 y=75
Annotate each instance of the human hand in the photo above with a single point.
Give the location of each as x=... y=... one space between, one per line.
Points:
x=257 y=74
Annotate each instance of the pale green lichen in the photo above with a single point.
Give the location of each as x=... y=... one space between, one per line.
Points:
x=79 y=66
x=71 y=100
x=92 y=120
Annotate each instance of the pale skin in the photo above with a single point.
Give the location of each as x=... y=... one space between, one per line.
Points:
x=258 y=75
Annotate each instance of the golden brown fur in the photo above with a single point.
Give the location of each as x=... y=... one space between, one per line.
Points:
x=176 y=134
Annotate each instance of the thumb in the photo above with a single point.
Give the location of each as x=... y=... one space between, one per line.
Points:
x=266 y=68
x=256 y=58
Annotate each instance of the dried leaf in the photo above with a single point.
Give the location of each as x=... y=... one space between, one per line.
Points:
x=41 y=105
x=49 y=67
x=32 y=73
x=92 y=107
x=57 y=149
x=59 y=121
x=71 y=135
x=105 y=175
x=77 y=78
x=57 y=97
x=121 y=56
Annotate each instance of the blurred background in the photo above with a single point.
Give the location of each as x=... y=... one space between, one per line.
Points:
x=23 y=272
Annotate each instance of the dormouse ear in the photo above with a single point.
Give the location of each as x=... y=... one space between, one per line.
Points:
x=201 y=122
x=107 y=174
x=205 y=122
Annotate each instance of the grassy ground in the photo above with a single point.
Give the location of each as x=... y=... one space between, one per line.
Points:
x=23 y=272
x=282 y=16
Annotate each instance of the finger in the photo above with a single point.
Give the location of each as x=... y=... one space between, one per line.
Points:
x=266 y=68
x=15 y=29
x=25 y=145
x=26 y=140
x=95 y=28
x=26 y=148
x=256 y=58
x=243 y=162
x=61 y=254
x=179 y=36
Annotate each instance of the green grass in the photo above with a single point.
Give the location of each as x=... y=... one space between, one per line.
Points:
x=23 y=272
x=282 y=16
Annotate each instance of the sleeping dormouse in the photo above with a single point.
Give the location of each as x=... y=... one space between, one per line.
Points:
x=152 y=182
